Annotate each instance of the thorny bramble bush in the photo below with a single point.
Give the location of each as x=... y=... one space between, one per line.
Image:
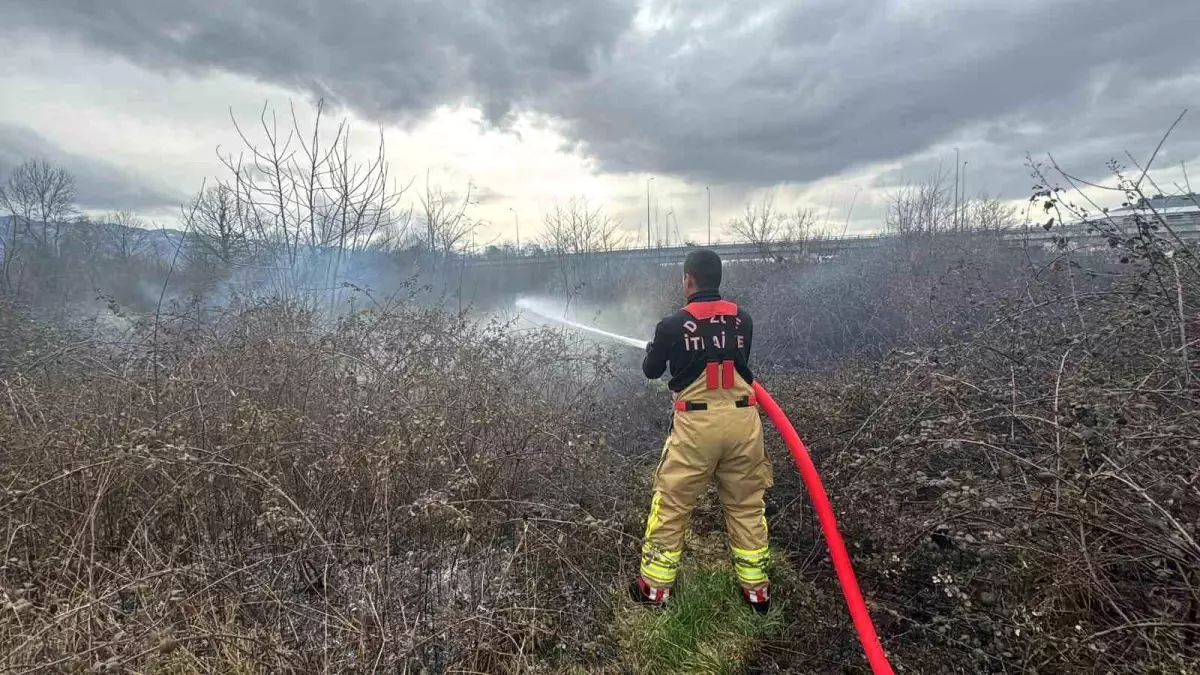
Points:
x=401 y=490
x=1025 y=498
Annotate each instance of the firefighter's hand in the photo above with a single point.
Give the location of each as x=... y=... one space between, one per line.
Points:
x=649 y=346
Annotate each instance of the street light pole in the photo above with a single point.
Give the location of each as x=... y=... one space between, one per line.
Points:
x=657 y=225
x=964 y=192
x=648 y=245
x=709 y=193
x=957 y=166
x=517 y=221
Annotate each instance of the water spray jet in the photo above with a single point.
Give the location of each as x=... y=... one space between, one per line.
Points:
x=532 y=307
x=816 y=490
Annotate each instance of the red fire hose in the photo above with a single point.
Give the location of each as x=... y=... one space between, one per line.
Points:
x=837 y=548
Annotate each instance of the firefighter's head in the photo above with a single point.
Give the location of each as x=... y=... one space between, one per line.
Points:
x=701 y=272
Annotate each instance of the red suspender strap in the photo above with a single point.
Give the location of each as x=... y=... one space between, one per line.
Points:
x=720 y=374
x=711 y=373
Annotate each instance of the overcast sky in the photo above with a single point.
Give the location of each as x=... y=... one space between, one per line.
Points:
x=827 y=102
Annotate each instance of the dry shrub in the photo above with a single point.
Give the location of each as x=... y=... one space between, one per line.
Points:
x=253 y=489
x=1025 y=499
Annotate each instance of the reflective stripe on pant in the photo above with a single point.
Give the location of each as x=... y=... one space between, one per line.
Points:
x=725 y=442
x=751 y=566
x=659 y=566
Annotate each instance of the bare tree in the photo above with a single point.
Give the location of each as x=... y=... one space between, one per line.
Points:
x=574 y=232
x=921 y=209
x=41 y=198
x=10 y=246
x=125 y=235
x=299 y=193
x=990 y=214
x=759 y=224
x=576 y=228
x=768 y=229
x=398 y=236
x=446 y=219
x=217 y=230
x=800 y=230
x=611 y=237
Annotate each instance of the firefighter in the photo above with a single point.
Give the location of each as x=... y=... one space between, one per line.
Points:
x=716 y=432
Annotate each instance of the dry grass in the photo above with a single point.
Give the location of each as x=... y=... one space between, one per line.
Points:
x=258 y=491
x=1025 y=499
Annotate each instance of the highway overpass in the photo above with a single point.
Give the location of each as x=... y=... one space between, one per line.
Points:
x=1184 y=222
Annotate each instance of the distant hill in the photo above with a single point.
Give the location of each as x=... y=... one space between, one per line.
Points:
x=161 y=242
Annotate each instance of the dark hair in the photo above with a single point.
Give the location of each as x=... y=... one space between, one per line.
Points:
x=705 y=267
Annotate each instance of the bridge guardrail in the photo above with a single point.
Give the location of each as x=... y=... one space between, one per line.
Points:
x=822 y=246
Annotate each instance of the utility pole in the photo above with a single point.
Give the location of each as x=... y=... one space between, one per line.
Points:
x=657 y=225
x=648 y=245
x=517 y=221
x=956 y=166
x=709 y=193
x=964 y=192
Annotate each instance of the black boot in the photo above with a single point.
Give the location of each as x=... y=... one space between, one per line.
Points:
x=759 y=599
x=644 y=594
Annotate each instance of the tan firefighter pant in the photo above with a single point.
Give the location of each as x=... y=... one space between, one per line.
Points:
x=724 y=441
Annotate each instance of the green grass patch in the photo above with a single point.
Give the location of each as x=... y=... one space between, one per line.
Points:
x=706 y=627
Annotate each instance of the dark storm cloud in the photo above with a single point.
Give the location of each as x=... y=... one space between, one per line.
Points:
x=821 y=87
x=98 y=185
x=389 y=59
x=722 y=92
